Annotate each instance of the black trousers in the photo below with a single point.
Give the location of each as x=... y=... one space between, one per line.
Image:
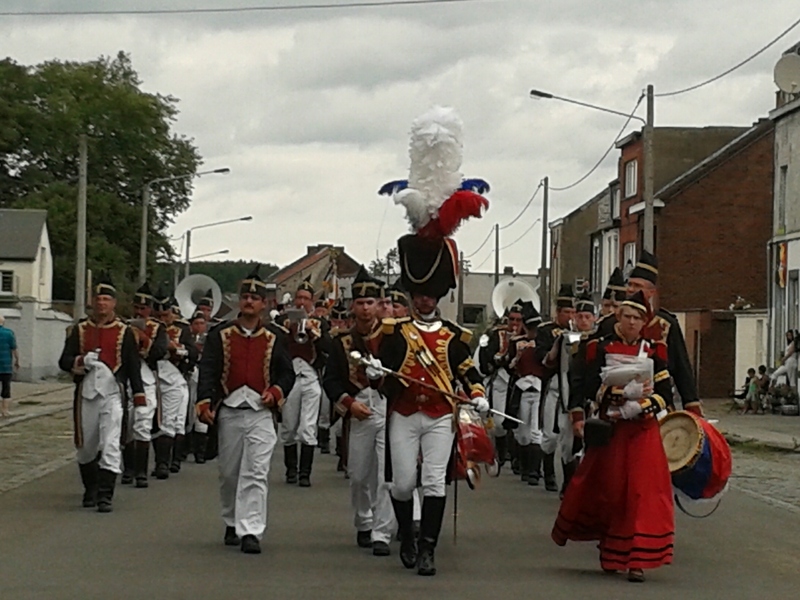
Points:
x=5 y=384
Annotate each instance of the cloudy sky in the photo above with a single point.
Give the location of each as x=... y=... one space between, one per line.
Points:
x=310 y=109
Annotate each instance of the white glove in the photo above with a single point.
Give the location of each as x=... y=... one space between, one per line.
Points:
x=634 y=390
x=630 y=410
x=481 y=404
x=374 y=368
x=91 y=360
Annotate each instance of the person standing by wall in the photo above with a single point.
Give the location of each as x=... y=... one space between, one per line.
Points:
x=9 y=364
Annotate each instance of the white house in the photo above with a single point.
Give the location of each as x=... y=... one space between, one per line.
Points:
x=26 y=263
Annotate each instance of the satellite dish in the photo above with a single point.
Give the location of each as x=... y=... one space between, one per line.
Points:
x=787 y=74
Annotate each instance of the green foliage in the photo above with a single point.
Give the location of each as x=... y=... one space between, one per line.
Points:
x=227 y=273
x=43 y=111
x=386 y=267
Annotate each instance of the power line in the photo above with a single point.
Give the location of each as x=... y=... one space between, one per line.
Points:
x=734 y=67
x=484 y=260
x=218 y=10
x=522 y=212
x=527 y=231
x=478 y=249
x=605 y=155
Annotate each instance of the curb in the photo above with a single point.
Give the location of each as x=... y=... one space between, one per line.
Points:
x=738 y=440
x=56 y=408
x=61 y=388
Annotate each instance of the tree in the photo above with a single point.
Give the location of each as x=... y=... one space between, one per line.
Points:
x=227 y=273
x=43 y=111
x=386 y=267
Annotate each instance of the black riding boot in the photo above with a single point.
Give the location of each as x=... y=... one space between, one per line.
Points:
x=501 y=447
x=524 y=454
x=141 y=456
x=127 y=464
x=550 y=473
x=89 y=474
x=430 y=527
x=513 y=452
x=535 y=464
x=200 y=442
x=569 y=471
x=306 y=460
x=324 y=442
x=404 y=513
x=177 y=454
x=163 y=449
x=290 y=460
x=105 y=490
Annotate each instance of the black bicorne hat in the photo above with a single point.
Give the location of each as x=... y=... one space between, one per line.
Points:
x=398 y=294
x=143 y=295
x=428 y=265
x=584 y=303
x=197 y=315
x=339 y=311
x=305 y=285
x=530 y=316
x=637 y=301
x=104 y=286
x=366 y=286
x=253 y=284
x=207 y=299
x=566 y=297
x=646 y=268
x=616 y=288
x=516 y=307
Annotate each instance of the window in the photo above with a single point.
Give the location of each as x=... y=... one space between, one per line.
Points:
x=628 y=258
x=7 y=282
x=474 y=314
x=631 y=178
x=793 y=305
x=781 y=209
x=42 y=264
x=615 y=202
x=596 y=284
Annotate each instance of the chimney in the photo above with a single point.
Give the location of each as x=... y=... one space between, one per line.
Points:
x=508 y=271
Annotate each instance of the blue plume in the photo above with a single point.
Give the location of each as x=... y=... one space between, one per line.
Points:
x=479 y=186
x=387 y=189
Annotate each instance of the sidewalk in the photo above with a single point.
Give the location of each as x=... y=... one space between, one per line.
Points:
x=771 y=431
x=31 y=400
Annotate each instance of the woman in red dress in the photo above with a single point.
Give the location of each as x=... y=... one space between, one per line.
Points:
x=621 y=494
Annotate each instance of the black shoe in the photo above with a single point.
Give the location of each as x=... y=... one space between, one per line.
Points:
x=89 y=474
x=141 y=457
x=550 y=473
x=105 y=490
x=89 y=498
x=306 y=460
x=128 y=460
x=177 y=454
x=535 y=464
x=290 y=462
x=364 y=539
x=163 y=447
x=380 y=549
x=304 y=481
x=127 y=478
x=231 y=539
x=324 y=441
x=426 y=564
x=250 y=545
x=409 y=552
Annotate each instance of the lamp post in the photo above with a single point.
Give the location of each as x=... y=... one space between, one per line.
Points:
x=146 y=206
x=647 y=142
x=176 y=268
x=186 y=268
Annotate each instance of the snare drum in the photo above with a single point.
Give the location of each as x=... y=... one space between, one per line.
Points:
x=698 y=455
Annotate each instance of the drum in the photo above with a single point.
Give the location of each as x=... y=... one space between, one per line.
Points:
x=698 y=455
x=473 y=446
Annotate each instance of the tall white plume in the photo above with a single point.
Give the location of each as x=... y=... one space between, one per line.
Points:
x=436 y=152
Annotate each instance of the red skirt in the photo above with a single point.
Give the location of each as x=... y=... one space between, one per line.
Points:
x=621 y=496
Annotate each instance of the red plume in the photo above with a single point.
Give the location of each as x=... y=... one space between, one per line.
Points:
x=457 y=208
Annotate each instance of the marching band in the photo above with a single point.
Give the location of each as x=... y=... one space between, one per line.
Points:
x=397 y=387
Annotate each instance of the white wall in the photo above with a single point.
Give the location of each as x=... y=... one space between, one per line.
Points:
x=478 y=291
x=787 y=146
x=751 y=343
x=40 y=339
x=34 y=279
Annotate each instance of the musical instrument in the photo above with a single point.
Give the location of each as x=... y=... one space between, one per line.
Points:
x=299 y=318
x=508 y=291
x=194 y=287
x=698 y=455
x=474 y=446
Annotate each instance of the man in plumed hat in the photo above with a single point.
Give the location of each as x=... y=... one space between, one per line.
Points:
x=663 y=326
x=151 y=338
x=424 y=346
x=358 y=399
x=554 y=354
x=101 y=353
x=245 y=375
x=524 y=394
x=309 y=343
x=173 y=371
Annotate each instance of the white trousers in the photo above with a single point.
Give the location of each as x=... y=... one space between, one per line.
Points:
x=301 y=410
x=247 y=439
x=324 y=420
x=552 y=441
x=369 y=492
x=408 y=437
x=174 y=405
x=101 y=428
x=788 y=370
x=499 y=391
x=140 y=418
x=192 y=422
x=530 y=430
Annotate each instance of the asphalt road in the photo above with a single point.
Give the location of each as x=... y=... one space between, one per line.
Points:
x=166 y=542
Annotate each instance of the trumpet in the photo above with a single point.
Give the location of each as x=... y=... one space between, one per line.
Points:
x=301 y=335
x=300 y=317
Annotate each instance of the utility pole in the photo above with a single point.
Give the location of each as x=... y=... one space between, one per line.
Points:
x=496 y=253
x=460 y=288
x=80 y=250
x=649 y=218
x=188 y=245
x=143 y=242
x=544 y=277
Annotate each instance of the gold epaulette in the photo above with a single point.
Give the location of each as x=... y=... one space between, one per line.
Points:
x=464 y=334
x=389 y=324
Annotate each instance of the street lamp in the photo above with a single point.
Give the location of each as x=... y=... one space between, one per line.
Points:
x=647 y=141
x=146 y=206
x=207 y=254
x=189 y=236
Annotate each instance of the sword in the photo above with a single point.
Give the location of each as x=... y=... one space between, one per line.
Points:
x=358 y=358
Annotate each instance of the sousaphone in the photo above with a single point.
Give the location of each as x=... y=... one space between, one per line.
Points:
x=192 y=289
x=508 y=291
